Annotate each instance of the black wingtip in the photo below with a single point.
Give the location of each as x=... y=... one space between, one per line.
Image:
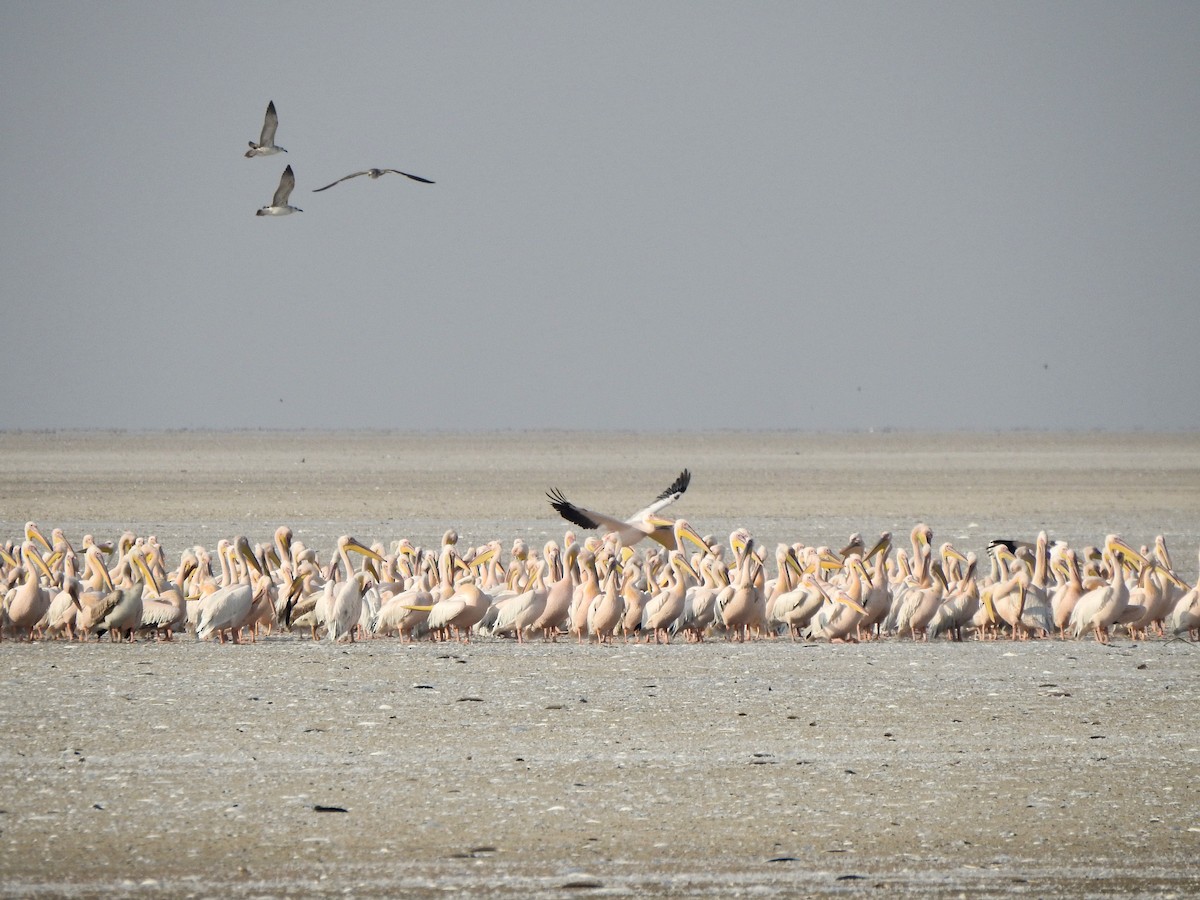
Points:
x=680 y=485
x=568 y=510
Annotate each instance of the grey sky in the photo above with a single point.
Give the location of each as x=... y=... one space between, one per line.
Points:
x=647 y=215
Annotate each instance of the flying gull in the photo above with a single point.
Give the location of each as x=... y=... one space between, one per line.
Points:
x=374 y=173
x=266 y=141
x=279 y=203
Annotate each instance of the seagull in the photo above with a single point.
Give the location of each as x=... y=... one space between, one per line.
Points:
x=279 y=203
x=266 y=141
x=374 y=173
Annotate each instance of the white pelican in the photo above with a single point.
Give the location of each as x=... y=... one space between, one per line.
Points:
x=346 y=605
x=1101 y=607
x=878 y=601
x=227 y=606
x=608 y=608
x=461 y=611
x=959 y=606
x=167 y=610
x=346 y=608
x=373 y=174
x=746 y=607
x=840 y=614
x=121 y=614
x=558 y=599
x=1158 y=590
x=266 y=141
x=667 y=605
x=521 y=611
x=1067 y=593
x=635 y=598
x=279 y=203
x=30 y=601
x=641 y=524
x=1186 y=615
x=700 y=601
x=924 y=598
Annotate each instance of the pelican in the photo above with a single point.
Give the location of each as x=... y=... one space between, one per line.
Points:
x=1102 y=607
x=1068 y=592
x=746 y=607
x=407 y=611
x=700 y=601
x=840 y=613
x=279 y=203
x=459 y=612
x=665 y=607
x=878 y=601
x=64 y=609
x=959 y=606
x=1158 y=590
x=266 y=141
x=227 y=606
x=558 y=600
x=30 y=601
x=608 y=608
x=463 y=609
x=122 y=612
x=641 y=524
x=635 y=599
x=347 y=603
x=346 y=608
x=167 y=611
x=583 y=595
x=1185 y=617
x=373 y=174
x=519 y=612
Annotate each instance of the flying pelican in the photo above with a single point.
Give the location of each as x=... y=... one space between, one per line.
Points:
x=373 y=174
x=279 y=203
x=266 y=141
x=641 y=524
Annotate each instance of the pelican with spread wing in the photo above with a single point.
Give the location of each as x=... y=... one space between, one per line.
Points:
x=645 y=523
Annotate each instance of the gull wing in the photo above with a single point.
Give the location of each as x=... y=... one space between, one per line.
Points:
x=406 y=175
x=287 y=181
x=270 y=123
x=340 y=180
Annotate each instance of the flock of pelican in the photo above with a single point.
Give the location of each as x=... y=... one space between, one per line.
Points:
x=687 y=587
x=280 y=204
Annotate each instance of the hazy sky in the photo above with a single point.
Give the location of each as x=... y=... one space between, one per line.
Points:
x=647 y=215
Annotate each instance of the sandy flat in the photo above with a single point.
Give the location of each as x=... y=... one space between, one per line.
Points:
x=774 y=768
